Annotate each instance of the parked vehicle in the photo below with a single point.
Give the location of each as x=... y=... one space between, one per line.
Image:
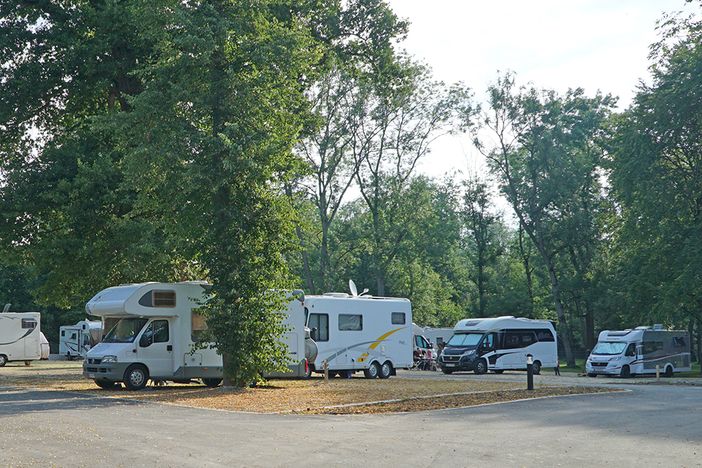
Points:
x=639 y=352
x=438 y=336
x=21 y=337
x=76 y=340
x=361 y=333
x=425 y=353
x=154 y=333
x=499 y=344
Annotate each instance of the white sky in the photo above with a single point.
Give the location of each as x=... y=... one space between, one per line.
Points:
x=556 y=44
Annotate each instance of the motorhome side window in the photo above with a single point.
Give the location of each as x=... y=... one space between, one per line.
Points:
x=156 y=298
x=319 y=325
x=198 y=326
x=350 y=322
x=544 y=335
x=29 y=323
x=398 y=318
x=518 y=339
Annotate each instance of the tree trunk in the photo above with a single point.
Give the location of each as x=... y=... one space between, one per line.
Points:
x=324 y=257
x=380 y=282
x=527 y=271
x=699 y=343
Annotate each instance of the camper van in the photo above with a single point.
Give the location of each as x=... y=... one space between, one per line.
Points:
x=153 y=330
x=360 y=333
x=499 y=344
x=21 y=338
x=76 y=340
x=639 y=352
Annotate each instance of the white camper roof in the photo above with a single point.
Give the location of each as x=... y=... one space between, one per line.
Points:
x=496 y=323
x=123 y=300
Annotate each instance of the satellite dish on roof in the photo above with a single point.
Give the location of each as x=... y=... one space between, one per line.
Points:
x=352 y=288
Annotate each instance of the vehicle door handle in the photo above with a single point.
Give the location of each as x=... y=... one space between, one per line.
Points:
x=169 y=348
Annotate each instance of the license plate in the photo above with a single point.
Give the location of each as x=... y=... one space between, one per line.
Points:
x=449 y=365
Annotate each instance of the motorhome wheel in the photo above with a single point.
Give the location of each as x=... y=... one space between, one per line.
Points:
x=136 y=377
x=3 y=360
x=385 y=370
x=668 y=371
x=536 y=367
x=372 y=371
x=480 y=367
x=626 y=372
x=212 y=383
x=105 y=384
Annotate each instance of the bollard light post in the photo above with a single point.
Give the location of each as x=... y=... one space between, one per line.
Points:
x=530 y=372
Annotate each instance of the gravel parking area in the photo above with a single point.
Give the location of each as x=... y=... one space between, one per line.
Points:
x=315 y=396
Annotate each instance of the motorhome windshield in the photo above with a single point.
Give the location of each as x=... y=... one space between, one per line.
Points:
x=609 y=347
x=465 y=340
x=125 y=331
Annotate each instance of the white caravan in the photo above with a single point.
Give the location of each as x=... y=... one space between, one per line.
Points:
x=499 y=344
x=360 y=333
x=152 y=333
x=76 y=340
x=20 y=337
x=640 y=351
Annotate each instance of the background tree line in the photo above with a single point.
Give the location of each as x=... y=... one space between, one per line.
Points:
x=267 y=144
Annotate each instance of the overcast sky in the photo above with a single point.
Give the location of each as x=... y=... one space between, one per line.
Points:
x=556 y=44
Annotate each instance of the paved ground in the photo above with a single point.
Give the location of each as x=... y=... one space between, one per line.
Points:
x=652 y=425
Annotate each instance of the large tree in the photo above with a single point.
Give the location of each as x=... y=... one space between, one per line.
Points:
x=547 y=152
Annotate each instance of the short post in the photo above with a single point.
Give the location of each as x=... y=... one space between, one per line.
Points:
x=325 y=366
x=658 y=372
x=530 y=372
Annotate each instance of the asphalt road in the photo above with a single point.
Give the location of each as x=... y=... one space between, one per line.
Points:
x=652 y=425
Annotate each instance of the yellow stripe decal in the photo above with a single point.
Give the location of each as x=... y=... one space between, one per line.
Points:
x=383 y=338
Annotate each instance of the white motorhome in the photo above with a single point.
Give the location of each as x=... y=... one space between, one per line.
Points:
x=20 y=337
x=639 y=352
x=153 y=332
x=438 y=336
x=361 y=333
x=499 y=344
x=76 y=340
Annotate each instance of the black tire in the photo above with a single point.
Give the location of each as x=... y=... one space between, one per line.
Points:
x=668 y=372
x=447 y=371
x=106 y=384
x=536 y=367
x=625 y=372
x=480 y=367
x=385 y=370
x=373 y=371
x=3 y=360
x=499 y=371
x=592 y=375
x=136 y=377
x=212 y=382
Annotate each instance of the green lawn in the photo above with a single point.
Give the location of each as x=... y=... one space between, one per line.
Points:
x=580 y=368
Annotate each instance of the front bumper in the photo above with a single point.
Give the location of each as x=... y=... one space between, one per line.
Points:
x=609 y=369
x=113 y=371
x=463 y=363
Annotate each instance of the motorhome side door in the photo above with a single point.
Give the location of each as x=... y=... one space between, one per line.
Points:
x=155 y=348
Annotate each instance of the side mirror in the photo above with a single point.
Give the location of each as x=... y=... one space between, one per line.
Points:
x=431 y=345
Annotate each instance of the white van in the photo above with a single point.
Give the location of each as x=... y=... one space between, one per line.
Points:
x=152 y=333
x=361 y=333
x=639 y=352
x=76 y=340
x=499 y=344
x=20 y=337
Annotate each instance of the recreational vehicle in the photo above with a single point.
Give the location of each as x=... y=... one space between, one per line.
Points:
x=76 y=340
x=360 y=333
x=438 y=336
x=639 y=351
x=153 y=332
x=20 y=337
x=499 y=344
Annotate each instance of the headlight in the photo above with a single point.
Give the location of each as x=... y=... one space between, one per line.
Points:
x=109 y=358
